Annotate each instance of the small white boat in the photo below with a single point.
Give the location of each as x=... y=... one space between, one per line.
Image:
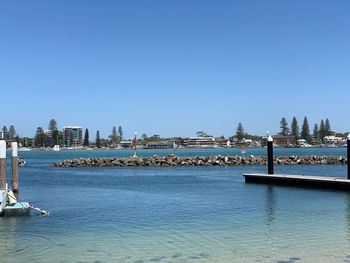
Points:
x=24 y=149
x=56 y=148
x=10 y=206
x=21 y=162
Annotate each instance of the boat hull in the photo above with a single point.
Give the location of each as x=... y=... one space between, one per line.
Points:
x=18 y=209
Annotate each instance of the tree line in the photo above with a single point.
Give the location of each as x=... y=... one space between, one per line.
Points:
x=319 y=131
x=42 y=139
x=54 y=136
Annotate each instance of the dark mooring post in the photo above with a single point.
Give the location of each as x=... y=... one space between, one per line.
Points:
x=269 y=155
x=15 y=167
x=2 y=164
x=348 y=153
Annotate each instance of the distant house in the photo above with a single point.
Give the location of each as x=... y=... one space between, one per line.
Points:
x=244 y=143
x=159 y=145
x=284 y=141
x=221 y=141
x=332 y=140
x=126 y=144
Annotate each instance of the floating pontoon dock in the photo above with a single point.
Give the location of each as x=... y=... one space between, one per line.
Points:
x=299 y=180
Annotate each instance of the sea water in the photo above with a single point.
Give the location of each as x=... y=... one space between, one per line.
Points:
x=175 y=214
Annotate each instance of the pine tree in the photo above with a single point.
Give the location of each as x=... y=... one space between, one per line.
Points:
x=55 y=137
x=53 y=125
x=144 y=136
x=327 y=128
x=12 y=133
x=120 y=131
x=98 y=140
x=86 y=138
x=322 y=130
x=5 y=133
x=316 y=133
x=284 y=127
x=114 y=135
x=305 y=131
x=240 y=132
x=294 y=128
x=39 y=137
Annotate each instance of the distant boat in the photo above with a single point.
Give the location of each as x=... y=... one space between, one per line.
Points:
x=21 y=162
x=10 y=206
x=56 y=148
x=242 y=151
x=24 y=149
x=8 y=203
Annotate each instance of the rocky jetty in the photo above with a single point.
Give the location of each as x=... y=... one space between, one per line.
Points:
x=173 y=160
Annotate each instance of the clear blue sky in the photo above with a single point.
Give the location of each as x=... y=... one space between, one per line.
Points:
x=174 y=67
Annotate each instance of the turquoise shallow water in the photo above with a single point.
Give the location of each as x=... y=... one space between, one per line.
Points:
x=181 y=214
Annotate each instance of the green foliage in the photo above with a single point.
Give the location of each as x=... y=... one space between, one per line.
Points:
x=12 y=133
x=39 y=137
x=5 y=133
x=53 y=125
x=284 y=127
x=114 y=136
x=154 y=138
x=55 y=138
x=305 y=131
x=86 y=138
x=327 y=128
x=294 y=128
x=98 y=140
x=322 y=130
x=316 y=133
x=201 y=134
x=144 y=137
x=240 y=132
x=120 y=131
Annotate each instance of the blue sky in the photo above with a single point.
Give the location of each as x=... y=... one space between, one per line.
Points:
x=174 y=67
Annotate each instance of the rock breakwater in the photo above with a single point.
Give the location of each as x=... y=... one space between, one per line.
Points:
x=173 y=160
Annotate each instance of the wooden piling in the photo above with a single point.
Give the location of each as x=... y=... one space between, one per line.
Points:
x=15 y=183
x=270 y=155
x=348 y=154
x=2 y=164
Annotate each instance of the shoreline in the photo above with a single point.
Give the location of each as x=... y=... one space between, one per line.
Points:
x=173 y=160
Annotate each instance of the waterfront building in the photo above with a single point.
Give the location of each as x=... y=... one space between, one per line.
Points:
x=72 y=136
x=284 y=141
x=48 y=133
x=332 y=140
x=221 y=141
x=126 y=144
x=201 y=142
x=159 y=145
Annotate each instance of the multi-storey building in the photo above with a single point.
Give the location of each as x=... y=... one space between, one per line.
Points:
x=48 y=133
x=72 y=136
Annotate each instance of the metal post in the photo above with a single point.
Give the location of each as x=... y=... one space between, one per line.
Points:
x=15 y=167
x=270 y=155
x=2 y=164
x=348 y=153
